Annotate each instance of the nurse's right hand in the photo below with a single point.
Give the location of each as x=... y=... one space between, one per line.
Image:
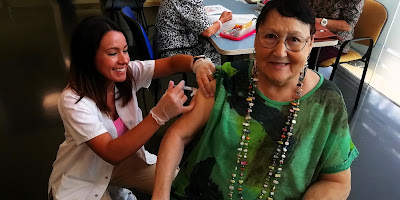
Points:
x=171 y=104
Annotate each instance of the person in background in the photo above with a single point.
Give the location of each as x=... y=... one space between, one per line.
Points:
x=338 y=16
x=104 y=128
x=182 y=27
x=273 y=131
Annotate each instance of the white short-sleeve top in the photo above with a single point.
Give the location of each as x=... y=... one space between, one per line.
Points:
x=78 y=172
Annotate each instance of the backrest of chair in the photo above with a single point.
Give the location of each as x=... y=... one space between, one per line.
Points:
x=116 y=5
x=127 y=11
x=371 y=22
x=143 y=46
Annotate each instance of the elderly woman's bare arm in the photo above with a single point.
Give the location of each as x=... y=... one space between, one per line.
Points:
x=225 y=16
x=330 y=186
x=335 y=25
x=174 y=141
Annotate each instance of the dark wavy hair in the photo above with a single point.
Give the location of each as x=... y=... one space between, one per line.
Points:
x=289 y=8
x=84 y=78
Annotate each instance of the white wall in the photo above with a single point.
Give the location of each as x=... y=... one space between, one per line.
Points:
x=385 y=59
x=386 y=55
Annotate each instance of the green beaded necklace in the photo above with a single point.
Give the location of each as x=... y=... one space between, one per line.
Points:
x=277 y=161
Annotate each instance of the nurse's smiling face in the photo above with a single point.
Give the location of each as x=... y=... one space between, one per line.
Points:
x=277 y=64
x=112 y=57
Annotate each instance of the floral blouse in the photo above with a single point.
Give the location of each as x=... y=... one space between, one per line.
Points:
x=347 y=10
x=179 y=25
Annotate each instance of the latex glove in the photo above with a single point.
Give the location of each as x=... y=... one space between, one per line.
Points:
x=204 y=68
x=171 y=104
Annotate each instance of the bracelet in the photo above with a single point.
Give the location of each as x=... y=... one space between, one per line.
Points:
x=196 y=58
x=220 y=23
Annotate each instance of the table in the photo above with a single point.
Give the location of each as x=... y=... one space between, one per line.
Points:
x=151 y=3
x=228 y=47
x=246 y=46
x=314 y=54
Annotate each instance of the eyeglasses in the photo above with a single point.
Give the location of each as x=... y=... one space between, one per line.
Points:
x=292 y=43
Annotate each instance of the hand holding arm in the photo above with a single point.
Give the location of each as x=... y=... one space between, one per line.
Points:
x=204 y=69
x=330 y=186
x=183 y=63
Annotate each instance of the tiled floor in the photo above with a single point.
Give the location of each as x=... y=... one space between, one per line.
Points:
x=34 y=43
x=383 y=79
x=375 y=129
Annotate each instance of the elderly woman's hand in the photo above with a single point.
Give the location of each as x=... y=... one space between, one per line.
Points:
x=204 y=69
x=225 y=16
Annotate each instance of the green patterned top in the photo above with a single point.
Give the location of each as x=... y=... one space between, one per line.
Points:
x=321 y=141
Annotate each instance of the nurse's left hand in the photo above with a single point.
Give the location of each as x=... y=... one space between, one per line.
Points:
x=204 y=69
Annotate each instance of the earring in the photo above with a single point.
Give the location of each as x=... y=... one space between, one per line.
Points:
x=254 y=70
x=252 y=55
x=303 y=72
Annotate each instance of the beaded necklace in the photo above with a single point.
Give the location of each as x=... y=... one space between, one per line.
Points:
x=276 y=166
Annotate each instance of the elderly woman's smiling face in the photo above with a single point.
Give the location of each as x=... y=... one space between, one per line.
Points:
x=277 y=64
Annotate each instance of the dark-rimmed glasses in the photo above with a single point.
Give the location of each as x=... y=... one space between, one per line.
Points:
x=292 y=42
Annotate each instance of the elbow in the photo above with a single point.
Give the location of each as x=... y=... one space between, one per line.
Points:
x=346 y=27
x=115 y=163
x=345 y=192
x=114 y=160
x=347 y=189
x=114 y=157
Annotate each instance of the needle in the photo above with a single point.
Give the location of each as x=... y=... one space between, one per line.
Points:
x=187 y=88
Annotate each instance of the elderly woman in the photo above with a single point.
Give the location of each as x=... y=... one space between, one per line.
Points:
x=182 y=27
x=274 y=129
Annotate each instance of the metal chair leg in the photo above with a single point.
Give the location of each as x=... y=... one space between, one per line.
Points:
x=360 y=87
x=334 y=67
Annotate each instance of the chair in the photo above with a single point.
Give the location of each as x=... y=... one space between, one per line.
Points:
x=127 y=11
x=142 y=47
x=142 y=42
x=135 y=5
x=366 y=32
